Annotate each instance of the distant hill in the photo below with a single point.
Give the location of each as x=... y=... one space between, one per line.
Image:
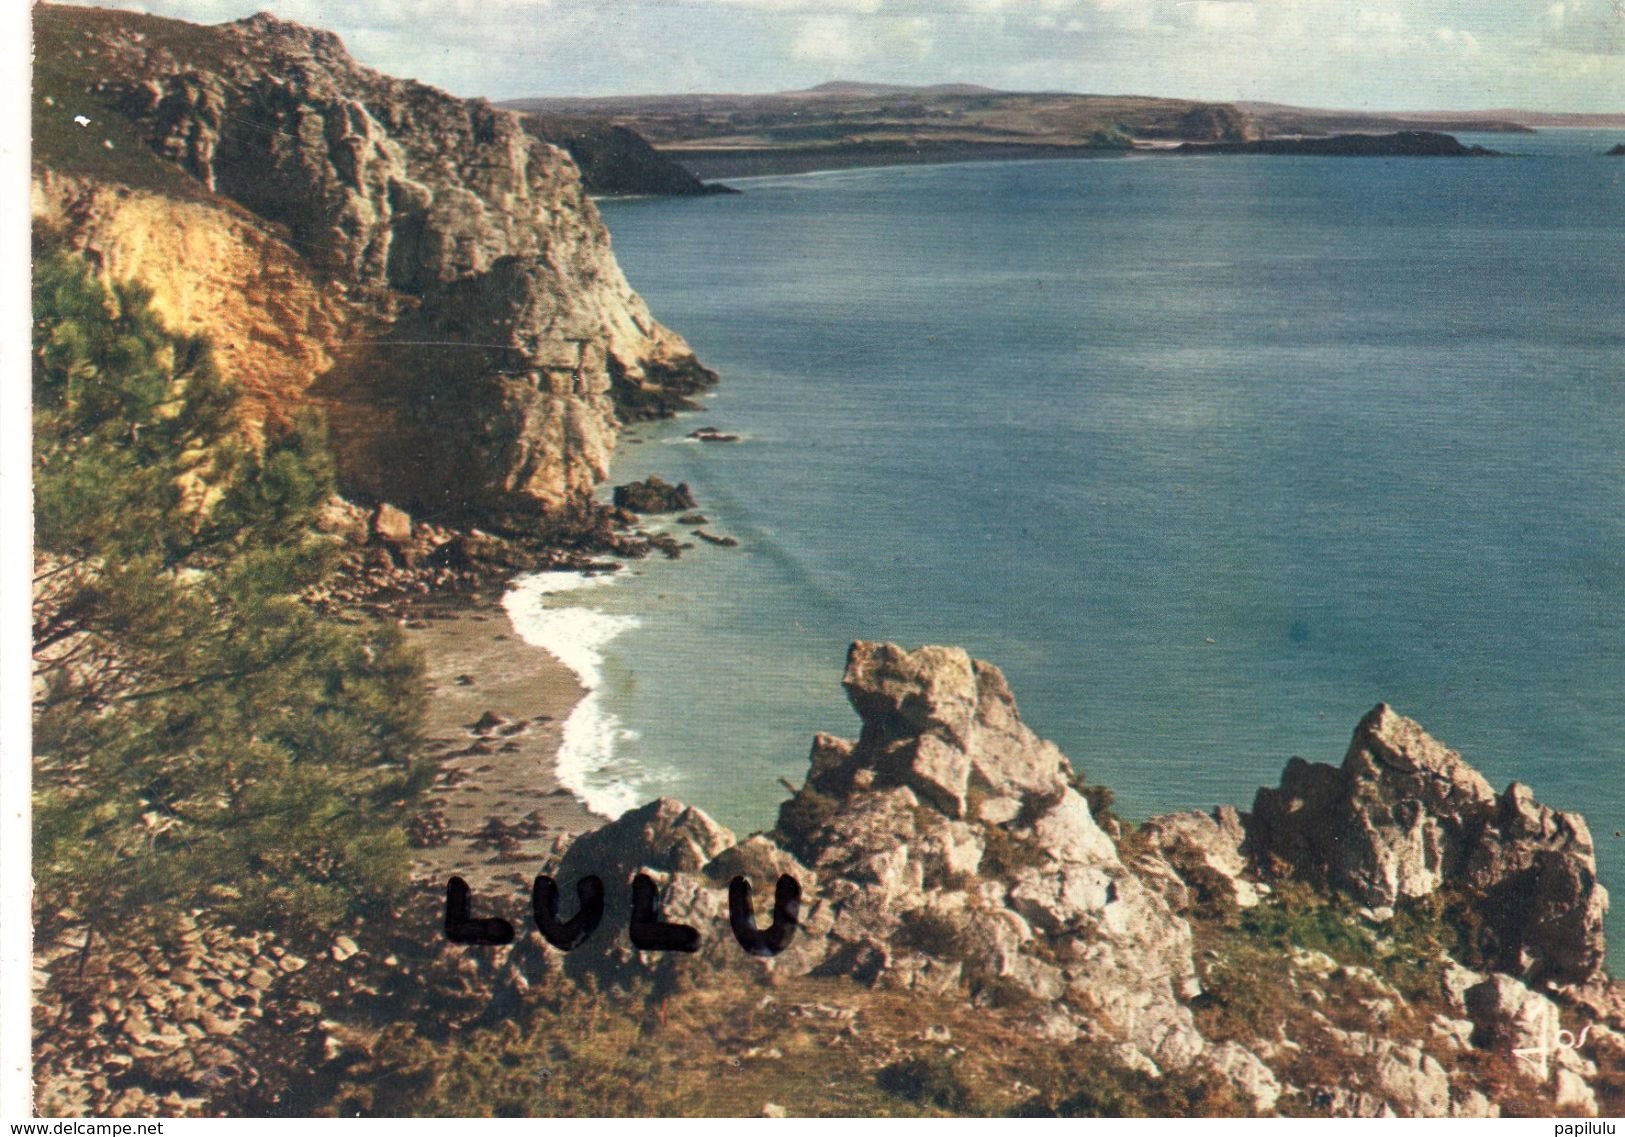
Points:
x=849 y=87
x=1277 y=119
x=854 y=123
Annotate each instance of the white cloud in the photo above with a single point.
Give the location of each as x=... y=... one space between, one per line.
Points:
x=1553 y=54
x=1590 y=27
x=827 y=39
x=1221 y=15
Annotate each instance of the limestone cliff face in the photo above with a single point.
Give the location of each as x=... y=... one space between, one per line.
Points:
x=274 y=326
x=492 y=346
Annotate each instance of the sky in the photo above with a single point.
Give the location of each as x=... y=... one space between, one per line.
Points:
x=1372 y=54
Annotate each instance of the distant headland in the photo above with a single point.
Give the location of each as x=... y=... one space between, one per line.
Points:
x=846 y=124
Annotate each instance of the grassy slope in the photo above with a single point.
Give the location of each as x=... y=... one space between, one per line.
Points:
x=71 y=61
x=815 y=1047
x=690 y=121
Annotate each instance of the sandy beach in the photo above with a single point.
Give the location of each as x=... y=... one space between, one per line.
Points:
x=494 y=717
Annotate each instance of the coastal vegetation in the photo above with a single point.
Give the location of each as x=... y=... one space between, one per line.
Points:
x=796 y=1047
x=204 y=742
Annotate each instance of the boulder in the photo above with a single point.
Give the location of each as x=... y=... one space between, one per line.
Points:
x=1413 y=1082
x=939 y=772
x=1240 y=1066
x=1572 y=1094
x=1508 y=1015
x=901 y=694
x=392 y=528
x=654 y=495
x=1406 y=816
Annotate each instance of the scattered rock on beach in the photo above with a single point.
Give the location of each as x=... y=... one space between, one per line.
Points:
x=712 y=538
x=667 y=544
x=488 y=722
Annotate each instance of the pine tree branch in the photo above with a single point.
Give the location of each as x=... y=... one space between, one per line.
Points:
x=208 y=680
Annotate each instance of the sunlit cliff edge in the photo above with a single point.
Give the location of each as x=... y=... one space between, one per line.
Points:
x=418 y=265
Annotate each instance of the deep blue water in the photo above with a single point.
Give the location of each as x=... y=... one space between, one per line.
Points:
x=1209 y=455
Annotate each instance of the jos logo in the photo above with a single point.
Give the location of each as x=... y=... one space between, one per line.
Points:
x=1537 y=1056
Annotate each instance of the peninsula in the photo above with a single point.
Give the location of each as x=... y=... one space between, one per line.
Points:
x=845 y=124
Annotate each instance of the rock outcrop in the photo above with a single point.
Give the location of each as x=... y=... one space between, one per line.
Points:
x=654 y=495
x=945 y=849
x=956 y=848
x=450 y=289
x=1405 y=816
x=1400 y=144
x=950 y=851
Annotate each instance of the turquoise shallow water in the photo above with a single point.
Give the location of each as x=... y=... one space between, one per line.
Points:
x=1209 y=455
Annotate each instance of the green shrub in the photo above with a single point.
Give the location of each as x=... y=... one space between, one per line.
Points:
x=929 y=1080
x=202 y=738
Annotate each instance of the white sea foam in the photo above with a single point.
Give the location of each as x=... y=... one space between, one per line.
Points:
x=587 y=763
x=686 y=440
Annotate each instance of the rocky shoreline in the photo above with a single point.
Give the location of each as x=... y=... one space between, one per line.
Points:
x=496 y=705
x=951 y=852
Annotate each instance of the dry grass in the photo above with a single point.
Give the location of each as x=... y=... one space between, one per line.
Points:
x=816 y=1047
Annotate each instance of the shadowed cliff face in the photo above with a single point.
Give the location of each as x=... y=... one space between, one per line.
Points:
x=491 y=342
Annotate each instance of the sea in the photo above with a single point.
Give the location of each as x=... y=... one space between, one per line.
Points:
x=1210 y=455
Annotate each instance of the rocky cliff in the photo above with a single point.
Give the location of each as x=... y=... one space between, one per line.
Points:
x=616 y=160
x=977 y=933
x=433 y=275
x=951 y=852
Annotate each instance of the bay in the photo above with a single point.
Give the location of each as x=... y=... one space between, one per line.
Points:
x=1209 y=455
